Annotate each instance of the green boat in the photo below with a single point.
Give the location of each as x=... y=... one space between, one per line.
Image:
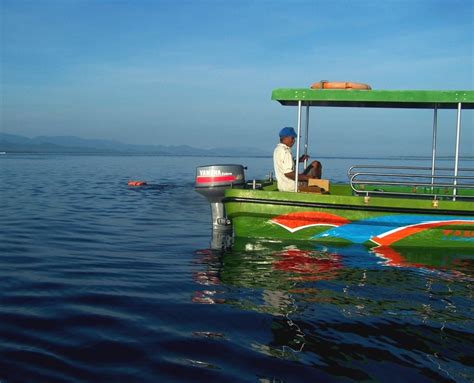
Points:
x=379 y=206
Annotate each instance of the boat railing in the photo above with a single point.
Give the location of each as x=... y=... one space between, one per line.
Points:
x=412 y=181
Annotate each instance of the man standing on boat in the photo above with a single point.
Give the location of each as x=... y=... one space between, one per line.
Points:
x=285 y=166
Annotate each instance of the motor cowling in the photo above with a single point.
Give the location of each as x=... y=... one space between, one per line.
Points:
x=211 y=182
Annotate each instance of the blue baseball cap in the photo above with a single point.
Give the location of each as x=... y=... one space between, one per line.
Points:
x=287 y=132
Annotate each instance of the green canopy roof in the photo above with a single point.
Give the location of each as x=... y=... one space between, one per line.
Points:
x=443 y=99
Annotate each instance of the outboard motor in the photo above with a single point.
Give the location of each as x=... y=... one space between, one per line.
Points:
x=211 y=182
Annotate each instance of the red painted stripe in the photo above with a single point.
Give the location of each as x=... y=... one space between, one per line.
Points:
x=203 y=180
x=308 y=218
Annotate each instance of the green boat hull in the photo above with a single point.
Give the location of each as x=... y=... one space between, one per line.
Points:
x=341 y=218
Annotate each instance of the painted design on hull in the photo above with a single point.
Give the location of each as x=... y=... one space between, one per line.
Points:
x=301 y=220
x=382 y=231
x=386 y=239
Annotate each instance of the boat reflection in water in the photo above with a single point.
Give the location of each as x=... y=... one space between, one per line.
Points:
x=289 y=268
x=341 y=308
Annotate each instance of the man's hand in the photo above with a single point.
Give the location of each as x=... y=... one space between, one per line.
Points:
x=303 y=157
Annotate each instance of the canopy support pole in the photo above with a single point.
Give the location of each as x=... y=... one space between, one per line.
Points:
x=306 y=137
x=456 y=157
x=298 y=146
x=435 y=130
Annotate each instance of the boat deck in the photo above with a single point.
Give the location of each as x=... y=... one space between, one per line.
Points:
x=397 y=182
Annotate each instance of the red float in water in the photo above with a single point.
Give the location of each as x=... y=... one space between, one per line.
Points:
x=136 y=183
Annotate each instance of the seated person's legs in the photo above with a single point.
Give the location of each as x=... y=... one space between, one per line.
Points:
x=314 y=169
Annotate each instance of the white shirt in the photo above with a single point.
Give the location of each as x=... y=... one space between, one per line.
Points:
x=283 y=163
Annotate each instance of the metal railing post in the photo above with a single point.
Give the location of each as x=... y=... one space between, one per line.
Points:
x=306 y=137
x=435 y=129
x=456 y=157
x=298 y=146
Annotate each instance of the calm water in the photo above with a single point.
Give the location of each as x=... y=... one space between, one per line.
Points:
x=106 y=283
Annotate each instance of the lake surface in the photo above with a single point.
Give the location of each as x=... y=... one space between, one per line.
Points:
x=102 y=282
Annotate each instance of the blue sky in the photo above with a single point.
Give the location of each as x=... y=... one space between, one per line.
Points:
x=201 y=73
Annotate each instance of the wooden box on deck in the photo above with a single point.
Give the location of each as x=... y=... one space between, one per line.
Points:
x=323 y=184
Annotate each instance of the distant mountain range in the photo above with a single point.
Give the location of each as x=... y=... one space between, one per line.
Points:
x=12 y=143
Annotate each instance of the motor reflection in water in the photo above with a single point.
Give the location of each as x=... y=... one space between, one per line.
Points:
x=339 y=307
